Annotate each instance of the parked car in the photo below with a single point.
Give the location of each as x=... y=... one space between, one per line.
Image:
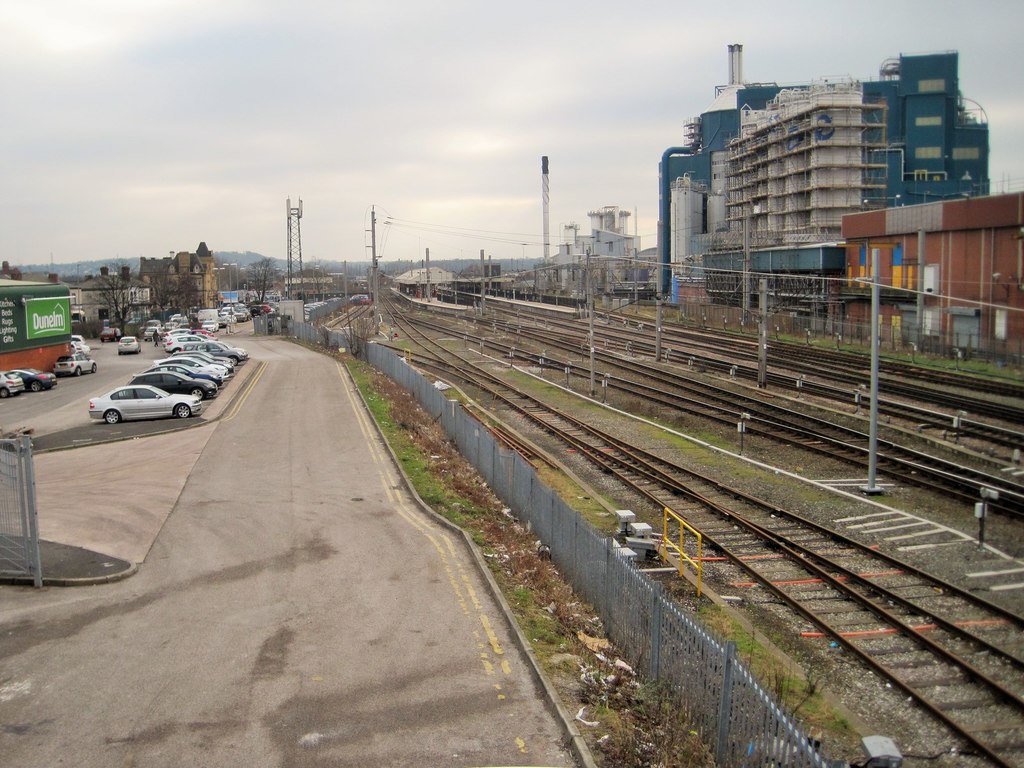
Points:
x=10 y=384
x=78 y=344
x=35 y=379
x=217 y=374
x=217 y=349
x=128 y=345
x=206 y=357
x=142 y=402
x=210 y=326
x=177 y=384
x=110 y=333
x=219 y=365
x=193 y=371
x=152 y=326
x=360 y=298
x=233 y=350
x=74 y=364
x=176 y=341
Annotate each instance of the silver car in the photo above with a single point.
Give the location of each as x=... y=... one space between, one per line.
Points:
x=11 y=384
x=141 y=401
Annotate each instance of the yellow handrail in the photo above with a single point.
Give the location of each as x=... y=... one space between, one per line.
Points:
x=668 y=544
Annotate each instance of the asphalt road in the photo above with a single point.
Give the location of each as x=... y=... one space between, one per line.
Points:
x=294 y=606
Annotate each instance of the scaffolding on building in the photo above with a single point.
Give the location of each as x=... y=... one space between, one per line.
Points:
x=813 y=155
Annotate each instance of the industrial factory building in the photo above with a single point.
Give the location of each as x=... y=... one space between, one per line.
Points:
x=763 y=180
x=770 y=165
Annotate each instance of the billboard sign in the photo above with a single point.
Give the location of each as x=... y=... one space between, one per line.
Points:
x=32 y=316
x=47 y=317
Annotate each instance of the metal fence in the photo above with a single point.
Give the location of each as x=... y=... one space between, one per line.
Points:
x=265 y=325
x=740 y=721
x=906 y=338
x=19 y=529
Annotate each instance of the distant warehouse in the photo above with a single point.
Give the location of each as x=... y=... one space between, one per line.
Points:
x=35 y=324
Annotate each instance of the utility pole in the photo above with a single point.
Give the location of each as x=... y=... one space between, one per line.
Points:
x=427 y=297
x=482 y=270
x=871 y=489
x=590 y=312
x=659 y=304
x=746 y=268
x=373 y=262
x=762 y=334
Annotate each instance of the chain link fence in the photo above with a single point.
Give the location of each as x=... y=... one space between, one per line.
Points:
x=738 y=718
x=19 y=528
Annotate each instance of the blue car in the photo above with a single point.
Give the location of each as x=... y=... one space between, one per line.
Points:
x=185 y=370
x=35 y=379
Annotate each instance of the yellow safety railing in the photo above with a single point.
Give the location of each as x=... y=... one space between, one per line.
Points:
x=667 y=544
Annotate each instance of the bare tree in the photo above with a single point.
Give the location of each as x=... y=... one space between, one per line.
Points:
x=163 y=290
x=358 y=332
x=261 y=276
x=115 y=289
x=187 y=293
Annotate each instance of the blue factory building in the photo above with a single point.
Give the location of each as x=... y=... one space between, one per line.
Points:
x=775 y=168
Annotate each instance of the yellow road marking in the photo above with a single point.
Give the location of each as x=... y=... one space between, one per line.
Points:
x=250 y=385
x=458 y=576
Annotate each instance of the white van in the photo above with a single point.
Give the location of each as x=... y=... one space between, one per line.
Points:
x=207 y=314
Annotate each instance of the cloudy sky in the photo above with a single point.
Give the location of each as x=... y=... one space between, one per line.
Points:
x=137 y=127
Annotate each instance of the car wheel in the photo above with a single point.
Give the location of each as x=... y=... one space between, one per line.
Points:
x=4 y=392
x=182 y=411
x=78 y=371
x=198 y=393
x=111 y=417
x=93 y=369
x=36 y=386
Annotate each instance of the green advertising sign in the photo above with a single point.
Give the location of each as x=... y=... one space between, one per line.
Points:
x=47 y=317
x=32 y=315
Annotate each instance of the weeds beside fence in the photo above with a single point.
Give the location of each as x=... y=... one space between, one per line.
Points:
x=737 y=717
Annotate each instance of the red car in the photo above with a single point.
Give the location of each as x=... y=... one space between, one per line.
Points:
x=110 y=333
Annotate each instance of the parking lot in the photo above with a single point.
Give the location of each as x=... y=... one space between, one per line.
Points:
x=66 y=405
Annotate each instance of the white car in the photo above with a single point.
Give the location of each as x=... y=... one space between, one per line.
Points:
x=128 y=345
x=78 y=344
x=177 y=341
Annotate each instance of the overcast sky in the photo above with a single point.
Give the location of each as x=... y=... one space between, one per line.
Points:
x=139 y=127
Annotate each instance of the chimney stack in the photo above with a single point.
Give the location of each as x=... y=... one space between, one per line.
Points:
x=736 y=64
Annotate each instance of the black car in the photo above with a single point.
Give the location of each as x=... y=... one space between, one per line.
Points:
x=176 y=383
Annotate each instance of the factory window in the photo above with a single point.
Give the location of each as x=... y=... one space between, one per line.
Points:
x=928 y=153
x=927 y=121
x=937 y=85
x=966 y=153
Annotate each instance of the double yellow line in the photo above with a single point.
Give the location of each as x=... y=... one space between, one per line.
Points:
x=241 y=397
x=492 y=655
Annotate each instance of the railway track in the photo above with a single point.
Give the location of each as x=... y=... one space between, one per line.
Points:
x=958 y=656
x=838 y=376
x=656 y=384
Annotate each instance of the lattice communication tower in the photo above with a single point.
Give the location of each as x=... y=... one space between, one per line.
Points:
x=294 y=248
